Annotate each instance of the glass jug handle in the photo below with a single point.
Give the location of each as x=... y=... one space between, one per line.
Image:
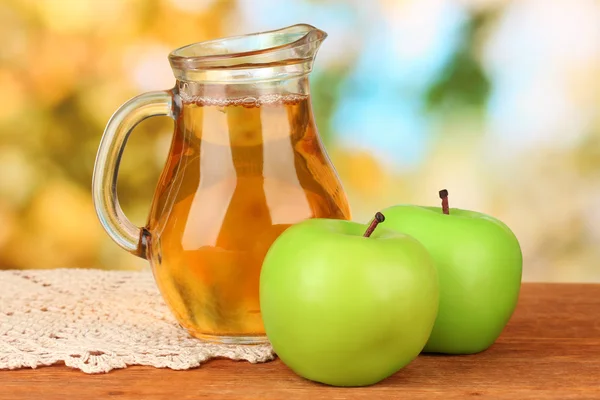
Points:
x=104 y=181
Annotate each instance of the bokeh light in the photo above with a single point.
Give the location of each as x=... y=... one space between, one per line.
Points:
x=495 y=100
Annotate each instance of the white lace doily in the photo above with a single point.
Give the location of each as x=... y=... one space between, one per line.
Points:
x=96 y=321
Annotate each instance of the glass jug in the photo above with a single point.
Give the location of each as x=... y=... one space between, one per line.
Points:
x=245 y=163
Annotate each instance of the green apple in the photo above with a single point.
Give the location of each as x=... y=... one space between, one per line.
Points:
x=479 y=262
x=344 y=309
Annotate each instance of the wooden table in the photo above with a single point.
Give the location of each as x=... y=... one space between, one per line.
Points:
x=550 y=349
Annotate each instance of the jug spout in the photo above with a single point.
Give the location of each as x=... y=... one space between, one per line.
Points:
x=255 y=57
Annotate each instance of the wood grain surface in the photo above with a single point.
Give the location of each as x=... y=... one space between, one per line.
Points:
x=550 y=350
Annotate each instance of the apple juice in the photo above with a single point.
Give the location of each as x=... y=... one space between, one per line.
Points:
x=240 y=171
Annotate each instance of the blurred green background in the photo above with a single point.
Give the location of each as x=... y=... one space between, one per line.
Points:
x=497 y=101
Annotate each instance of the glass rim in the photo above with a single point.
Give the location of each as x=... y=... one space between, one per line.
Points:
x=201 y=55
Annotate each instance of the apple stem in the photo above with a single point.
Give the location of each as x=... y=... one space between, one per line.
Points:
x=444 y=197
x=379 y=218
